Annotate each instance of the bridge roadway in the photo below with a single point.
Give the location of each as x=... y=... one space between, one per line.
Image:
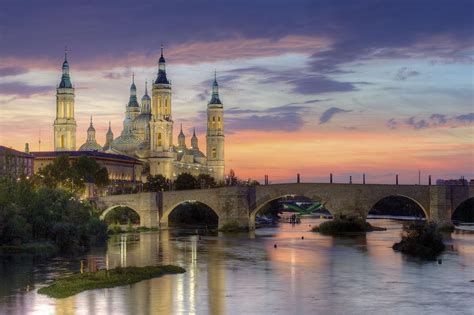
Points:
x=241 y=204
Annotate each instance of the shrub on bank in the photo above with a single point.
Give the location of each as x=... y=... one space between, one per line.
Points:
x=41 y=214
x=345 y=225
x=421 y=239
x=233 y=227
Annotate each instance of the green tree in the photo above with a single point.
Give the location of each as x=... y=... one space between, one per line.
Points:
x=206 y=181
x=73 y=176
x=185 y=181
x=157 y=183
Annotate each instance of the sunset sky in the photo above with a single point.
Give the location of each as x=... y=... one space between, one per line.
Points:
x=310 y=87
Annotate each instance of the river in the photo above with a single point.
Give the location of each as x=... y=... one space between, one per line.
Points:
x=245 y=274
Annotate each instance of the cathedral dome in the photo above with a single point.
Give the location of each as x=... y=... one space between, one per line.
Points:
x=141 y=122
x=90 y=146
x=127 y=144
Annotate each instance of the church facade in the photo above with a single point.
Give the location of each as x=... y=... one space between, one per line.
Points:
x=147 y=132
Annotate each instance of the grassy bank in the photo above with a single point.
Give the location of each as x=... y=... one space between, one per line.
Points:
x=77 y=283
x=344 y=226
x=422 y=240
x=118 y=229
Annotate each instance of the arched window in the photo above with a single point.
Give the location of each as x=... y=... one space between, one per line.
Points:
x=219 y=124
x=61 y=143
x=214 y=153
x=159 y=105
x=213 y=122
x=158 y=142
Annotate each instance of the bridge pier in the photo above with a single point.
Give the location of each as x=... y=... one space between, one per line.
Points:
x=234 y=206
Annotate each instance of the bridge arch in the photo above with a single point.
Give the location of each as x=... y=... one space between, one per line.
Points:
x=112 y=208
x=379 y=199
x=165 y=218
x=464 y=212
x=261 y=203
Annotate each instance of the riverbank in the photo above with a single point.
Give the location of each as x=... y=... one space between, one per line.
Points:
x=76 y=283
x=42 y=249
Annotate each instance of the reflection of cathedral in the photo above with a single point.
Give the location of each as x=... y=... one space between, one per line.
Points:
x=148 y=130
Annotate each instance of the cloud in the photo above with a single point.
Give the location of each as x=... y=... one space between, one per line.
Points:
x=117 y=75
x=22 y=89
x=287 y=118
x=434 y=121
x=329 y=114
x=438 y=119
x=12 y=71
x=334 y=32
x=404 y=73
x=467 y=118
x=392 y=123
x=420 y=124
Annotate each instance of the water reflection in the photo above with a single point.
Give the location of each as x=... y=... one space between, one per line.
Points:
x=245 y=274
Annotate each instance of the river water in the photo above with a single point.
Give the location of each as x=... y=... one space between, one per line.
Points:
x=245 y=274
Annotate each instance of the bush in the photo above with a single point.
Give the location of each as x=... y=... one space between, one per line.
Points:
x=114 y=229
x=344 y=226
x=233 y=227
x=66 y=236
x=422 y=240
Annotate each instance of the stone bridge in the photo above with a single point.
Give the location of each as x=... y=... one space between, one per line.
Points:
x=241 y=204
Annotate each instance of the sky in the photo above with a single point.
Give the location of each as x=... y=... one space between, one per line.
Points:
x=309 y=87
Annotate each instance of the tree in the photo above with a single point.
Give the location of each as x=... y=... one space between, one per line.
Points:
x=157 y=183
x=73 y=176
x=185 y=181
x=88 y=170
x=206 y=181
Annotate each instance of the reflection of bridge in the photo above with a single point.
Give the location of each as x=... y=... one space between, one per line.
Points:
x=240 y=204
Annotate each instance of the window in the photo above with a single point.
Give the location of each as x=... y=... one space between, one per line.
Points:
x=214 y=153
x=61 y=143
x=219 y=125
x=158 y=142
x=213 y=122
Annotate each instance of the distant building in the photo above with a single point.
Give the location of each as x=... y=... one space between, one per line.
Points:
x=15 y=163
x=453 y=182
x=123 y=170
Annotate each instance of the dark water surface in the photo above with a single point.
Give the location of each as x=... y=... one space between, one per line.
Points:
x=245 y=274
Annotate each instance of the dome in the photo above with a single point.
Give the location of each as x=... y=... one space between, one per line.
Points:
x=90 y=146
x=146 y=97
x=141 y=122
x=127 y=144
x=195 y=153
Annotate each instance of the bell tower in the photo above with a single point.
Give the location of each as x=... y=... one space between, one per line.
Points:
x=161 y=125
x=215 y=134
x=65 y=124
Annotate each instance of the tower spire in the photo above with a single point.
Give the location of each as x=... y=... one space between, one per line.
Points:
x=65 y=53
x=215 y=91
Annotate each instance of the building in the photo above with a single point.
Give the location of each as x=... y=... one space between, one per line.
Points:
x=147 y=132
x=16 y=164
x=453 y=182
x=123 y=170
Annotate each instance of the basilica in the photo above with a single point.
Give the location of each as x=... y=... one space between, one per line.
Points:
x=147 y=133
